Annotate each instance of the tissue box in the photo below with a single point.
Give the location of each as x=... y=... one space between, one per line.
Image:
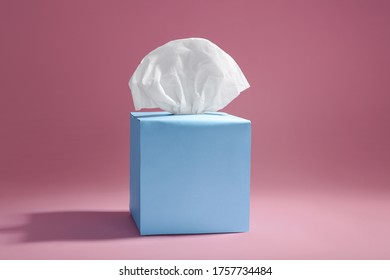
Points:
x=189 y=173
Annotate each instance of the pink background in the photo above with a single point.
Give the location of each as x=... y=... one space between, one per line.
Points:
x=319 y=103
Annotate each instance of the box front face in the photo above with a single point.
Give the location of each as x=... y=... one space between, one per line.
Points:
x=194 y=176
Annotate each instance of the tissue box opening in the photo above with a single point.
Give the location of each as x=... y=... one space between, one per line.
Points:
x=189 y=173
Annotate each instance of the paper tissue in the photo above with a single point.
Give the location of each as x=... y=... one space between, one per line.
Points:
x=188 y=76
x=189 y=166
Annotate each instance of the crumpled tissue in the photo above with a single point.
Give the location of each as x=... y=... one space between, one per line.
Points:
x=187 y=76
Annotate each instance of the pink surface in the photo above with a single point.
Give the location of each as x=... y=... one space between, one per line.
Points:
x=319 y=103
x=300 y=225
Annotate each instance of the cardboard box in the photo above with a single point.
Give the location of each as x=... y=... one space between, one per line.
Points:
x=189 y=173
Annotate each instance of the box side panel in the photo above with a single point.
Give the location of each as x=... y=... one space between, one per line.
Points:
x=244 y=145
x=135 y=170
x=195 y=177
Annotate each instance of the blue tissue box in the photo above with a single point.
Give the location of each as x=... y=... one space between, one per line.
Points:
x=189 y=173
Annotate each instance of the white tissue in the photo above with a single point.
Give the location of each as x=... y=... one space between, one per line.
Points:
x=187 y=76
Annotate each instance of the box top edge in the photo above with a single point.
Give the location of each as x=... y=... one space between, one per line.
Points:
x=166 y=116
